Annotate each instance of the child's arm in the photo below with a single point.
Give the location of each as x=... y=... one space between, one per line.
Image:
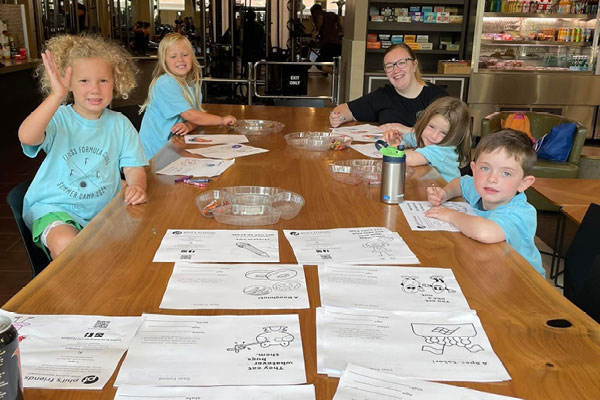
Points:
x=135 y=192
x=476 y=227
x=203 y=118
x=414 y=159
x=437 y=196
x=32 y=130
x=340 y=114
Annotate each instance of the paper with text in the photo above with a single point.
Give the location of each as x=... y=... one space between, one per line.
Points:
x=227 y=151
x=71 y=351
x=390 y=288
x=414 y=212
x=236 y=286
x=215 y=139
x=249 y=245
x=196 y=167
x=440 y=346
x=170 y=350
x=374 y=245
x=367 y=384
x=287 y=392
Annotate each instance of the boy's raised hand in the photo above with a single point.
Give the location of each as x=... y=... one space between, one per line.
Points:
x=436 y=195
x=59 y=84
x=135 y=194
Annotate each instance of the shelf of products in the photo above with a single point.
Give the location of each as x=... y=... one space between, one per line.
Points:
x=555 y=36
x=435 y=30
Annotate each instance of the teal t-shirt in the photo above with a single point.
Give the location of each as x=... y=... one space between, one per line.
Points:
x=442 y=158
x=81 y=171
x=517 y=218
x=163 y=111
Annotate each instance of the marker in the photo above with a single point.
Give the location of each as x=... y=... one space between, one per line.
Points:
x=189 y=182
x=200 y=180
x=183 y=178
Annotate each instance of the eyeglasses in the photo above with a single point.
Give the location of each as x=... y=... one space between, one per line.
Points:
x=401 y=64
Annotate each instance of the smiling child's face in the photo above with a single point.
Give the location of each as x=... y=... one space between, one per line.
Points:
x=92 y=85
x=498 y=178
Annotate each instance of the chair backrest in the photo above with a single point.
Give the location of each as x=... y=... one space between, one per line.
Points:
x=540 y=124
x=582 y=265
x=37 y=258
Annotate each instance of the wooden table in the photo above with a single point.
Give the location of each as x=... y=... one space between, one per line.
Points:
x=109 y=270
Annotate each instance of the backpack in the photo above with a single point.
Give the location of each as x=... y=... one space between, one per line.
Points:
x=519 y=122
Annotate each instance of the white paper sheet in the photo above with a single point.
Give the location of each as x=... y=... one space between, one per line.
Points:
x=170 y=350
x=71 y=351
x=390 y=288
x=287 y=392
x=227 y=151
x=196 y=167
x=440 y=346
x=215 y=139
x=236 y=286
x=367 y=149
x=367 y=384
x=375 y=245
x=414 y=212
x=251 y=245
x=361 y=133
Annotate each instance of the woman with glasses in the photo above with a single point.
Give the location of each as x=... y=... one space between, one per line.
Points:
x=395 y=106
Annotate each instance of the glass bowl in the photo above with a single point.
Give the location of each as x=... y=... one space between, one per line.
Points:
x=354 y=172
x=258 y=127
x=318 y=141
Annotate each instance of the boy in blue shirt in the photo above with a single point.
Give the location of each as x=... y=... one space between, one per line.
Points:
x=501 y=173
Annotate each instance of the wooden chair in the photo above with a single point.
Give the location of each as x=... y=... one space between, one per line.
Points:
x=582 y=265
x=540 y=124
x=37 y=258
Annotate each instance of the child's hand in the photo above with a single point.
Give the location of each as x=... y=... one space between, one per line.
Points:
x=181 y=128
x=59 y=84
x=442 y=213
x=336 y=119
x=436 y=195
x=135 y=194
x=229 y=120
x=392 y=136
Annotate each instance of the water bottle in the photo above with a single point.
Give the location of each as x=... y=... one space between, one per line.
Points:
x=392 y=172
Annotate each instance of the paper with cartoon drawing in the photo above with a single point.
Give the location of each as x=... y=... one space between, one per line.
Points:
x=196 y=167
x=375 y=245
x=414 y=212
x=361 y=133
x=236 y=286
x=390 y=288
x=227 y=151
x=170 y=350
x=440 y=346
x=367 y=384
x=70 y=351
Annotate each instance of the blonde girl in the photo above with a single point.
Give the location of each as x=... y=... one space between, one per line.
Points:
x=86 y=144
x=441 y=137
x=174 y=99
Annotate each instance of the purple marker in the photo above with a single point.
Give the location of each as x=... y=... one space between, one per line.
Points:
x=183 y=178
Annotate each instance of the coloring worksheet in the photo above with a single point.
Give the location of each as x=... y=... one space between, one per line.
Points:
x=287 y=392
x=367 y=149
x=181 y=350
x=367 y=384
x=236 y=286
x=414 y=212
x=374 y=245
x=439 y=346
x=196 y=167
x=361 y=133
x=215 y=139
x=227 y=151
x=251 y=245
x=71 y=351
x=390 y=288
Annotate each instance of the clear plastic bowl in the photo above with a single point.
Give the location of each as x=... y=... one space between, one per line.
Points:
x=249 y=205
x=318 y=141
x=354 y=172
x=258 y=127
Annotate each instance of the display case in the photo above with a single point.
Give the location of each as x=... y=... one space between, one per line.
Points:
x=542 y=36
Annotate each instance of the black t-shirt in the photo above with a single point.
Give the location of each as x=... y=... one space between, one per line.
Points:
x=385 y=105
